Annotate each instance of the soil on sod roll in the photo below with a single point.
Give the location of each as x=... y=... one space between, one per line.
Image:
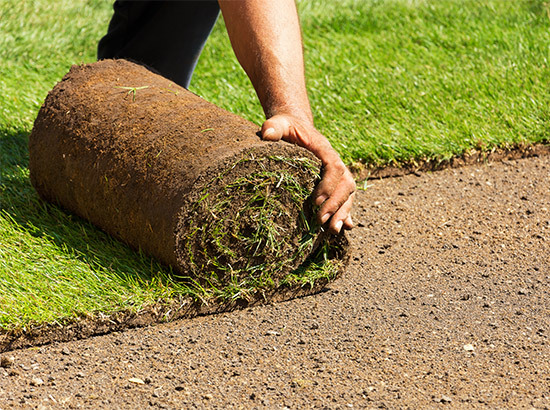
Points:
x=185 y=181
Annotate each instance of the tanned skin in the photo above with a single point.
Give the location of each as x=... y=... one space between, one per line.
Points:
x=267 y=40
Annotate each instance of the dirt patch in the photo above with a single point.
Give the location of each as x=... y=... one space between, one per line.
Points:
x=445 y=304
x=177 y=177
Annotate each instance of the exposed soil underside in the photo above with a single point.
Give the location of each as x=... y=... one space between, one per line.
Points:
x=446 y=302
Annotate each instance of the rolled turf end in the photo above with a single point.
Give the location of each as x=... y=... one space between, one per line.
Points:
x=252 y=228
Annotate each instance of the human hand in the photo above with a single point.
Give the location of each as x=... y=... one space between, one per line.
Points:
x=335 y=193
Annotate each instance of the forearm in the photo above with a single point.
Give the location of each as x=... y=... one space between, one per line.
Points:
x=266 y=38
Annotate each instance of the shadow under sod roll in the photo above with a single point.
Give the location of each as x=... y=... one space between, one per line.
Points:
x=180 y=178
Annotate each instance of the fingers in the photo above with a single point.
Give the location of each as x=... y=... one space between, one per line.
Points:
x=275 y=128
x=334 y=195
x=342 y=219
x=348 y=223
x=336 y=211
x=332 y=175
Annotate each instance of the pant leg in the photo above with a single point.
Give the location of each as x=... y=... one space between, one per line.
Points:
x=165 y=35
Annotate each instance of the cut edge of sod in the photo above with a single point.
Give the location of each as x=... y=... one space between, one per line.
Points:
x=479 y=155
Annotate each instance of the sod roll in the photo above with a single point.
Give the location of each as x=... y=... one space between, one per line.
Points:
x=177 y=177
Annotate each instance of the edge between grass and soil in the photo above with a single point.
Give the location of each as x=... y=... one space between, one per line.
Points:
x=186 y=307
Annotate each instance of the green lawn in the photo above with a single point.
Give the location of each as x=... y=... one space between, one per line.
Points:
x=389 y=81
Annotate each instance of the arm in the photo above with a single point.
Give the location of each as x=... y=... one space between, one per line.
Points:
x=266 y=38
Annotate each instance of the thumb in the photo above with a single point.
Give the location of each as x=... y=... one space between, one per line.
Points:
x=275 y=128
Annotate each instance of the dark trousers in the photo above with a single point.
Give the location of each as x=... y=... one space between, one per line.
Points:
x=165 y=35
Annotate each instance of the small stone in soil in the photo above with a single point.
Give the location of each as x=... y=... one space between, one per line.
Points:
x=37 y=381
x=469 y=348
x=136 y=380
x=446 y=399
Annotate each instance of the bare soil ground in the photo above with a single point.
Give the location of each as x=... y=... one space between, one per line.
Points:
x=446 y=304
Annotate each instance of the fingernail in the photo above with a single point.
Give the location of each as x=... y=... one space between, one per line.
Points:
x=320 y=199
x=339 y=225
x=269 y=132
x=325 y=218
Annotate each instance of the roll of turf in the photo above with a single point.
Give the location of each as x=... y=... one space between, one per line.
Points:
x=181 y=179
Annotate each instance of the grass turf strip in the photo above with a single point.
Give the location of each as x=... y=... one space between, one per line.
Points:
x=389 y=81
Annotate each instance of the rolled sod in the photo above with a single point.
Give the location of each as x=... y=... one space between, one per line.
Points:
x=181 y=179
